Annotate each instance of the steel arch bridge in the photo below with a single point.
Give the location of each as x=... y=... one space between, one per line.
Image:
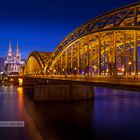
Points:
x=36 y=62
x=107 y=45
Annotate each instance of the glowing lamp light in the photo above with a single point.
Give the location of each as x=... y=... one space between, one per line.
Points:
x=83 y=72
x=54 y=71
x=11 y=80
x=123 y=69
x=20 y=90
x=20 y=81
x=94 y=67
x=129 y=63
x=75 y=68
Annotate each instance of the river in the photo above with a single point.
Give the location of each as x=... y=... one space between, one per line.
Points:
x=113 y=115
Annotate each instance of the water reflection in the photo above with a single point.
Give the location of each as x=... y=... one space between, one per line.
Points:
x=63 y=121
x=20 y=98
x=11 y=89
x=115 y=110
x=12 y=109
x=112 y=115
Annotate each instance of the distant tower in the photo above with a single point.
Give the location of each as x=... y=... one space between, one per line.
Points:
x=9 y=55
x=17 y=55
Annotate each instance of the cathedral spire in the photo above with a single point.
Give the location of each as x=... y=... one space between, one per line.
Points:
x=17 y=48
x=9 y=55
x=17 y=55
x=10 y=49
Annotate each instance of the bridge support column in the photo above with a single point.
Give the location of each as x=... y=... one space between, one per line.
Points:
x=63 y=92
x=99 y=55
x=135 y=54
x=27 y=83
x=115 y=71
x=81 y=92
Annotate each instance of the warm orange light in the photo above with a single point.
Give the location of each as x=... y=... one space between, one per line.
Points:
x=20 y=90
x=129 y=63
x=20 y=99
x=123 y=69
x=20 y=81
x=11 y=80
x=107 y=70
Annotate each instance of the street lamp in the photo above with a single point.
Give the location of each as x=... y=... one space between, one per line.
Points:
x=129 y=64
x=48 y=71
x=94 y=69
x=107 y=70
x=123 y=69
x=75 y=71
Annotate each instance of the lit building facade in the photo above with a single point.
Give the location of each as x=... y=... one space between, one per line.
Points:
x=13 y=62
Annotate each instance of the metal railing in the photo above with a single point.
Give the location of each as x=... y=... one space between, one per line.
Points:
x=126 y=80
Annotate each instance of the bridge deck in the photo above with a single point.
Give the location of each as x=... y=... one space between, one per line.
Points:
x=124 y=82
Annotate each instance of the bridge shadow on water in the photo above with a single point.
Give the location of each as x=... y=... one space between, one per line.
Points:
x=62 y=120
x=112 y=115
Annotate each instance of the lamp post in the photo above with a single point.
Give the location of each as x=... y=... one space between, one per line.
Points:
x=54 y=72
x=75 y=70
x=107 y=71
x=62 y=71
x=129 y=67
x=48 y=72
x=123 y=70
x=94 y=69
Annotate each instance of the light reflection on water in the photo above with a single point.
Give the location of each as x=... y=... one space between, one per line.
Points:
x=117 y=112
x=112 y=115
x=20 y=98
x=11 y=109
x=11 y=101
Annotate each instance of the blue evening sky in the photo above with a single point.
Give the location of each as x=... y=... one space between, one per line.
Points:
x=42 y=24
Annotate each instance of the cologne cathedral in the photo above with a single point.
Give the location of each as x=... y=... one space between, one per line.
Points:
x=13 y=62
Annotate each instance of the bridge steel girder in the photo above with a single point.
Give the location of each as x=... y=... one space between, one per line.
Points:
x=100 y=52
x=36 y=61
x=108 y=44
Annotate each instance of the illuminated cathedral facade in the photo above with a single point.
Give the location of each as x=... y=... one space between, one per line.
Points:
x=13 y=62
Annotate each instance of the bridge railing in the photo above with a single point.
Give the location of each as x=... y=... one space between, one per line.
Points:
x=129 y=80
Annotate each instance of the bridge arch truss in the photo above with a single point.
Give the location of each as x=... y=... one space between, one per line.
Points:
x=106 y=45
x=36 y=62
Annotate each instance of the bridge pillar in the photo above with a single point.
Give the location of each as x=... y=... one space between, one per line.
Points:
x=135 y=54
x=62 y=92
x=27 y=83
x=81 y=92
